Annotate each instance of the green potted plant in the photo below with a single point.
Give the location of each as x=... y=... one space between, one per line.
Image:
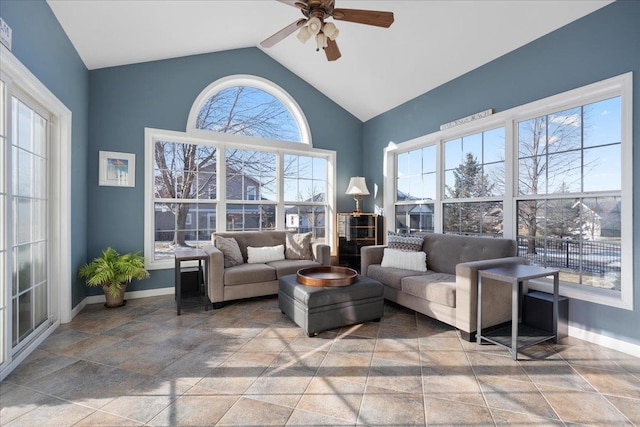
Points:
x=113 y=272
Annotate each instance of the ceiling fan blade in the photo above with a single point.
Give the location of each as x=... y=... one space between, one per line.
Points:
x=300 y=4
x=368 y=17
x=332 y=50
x=282 y=34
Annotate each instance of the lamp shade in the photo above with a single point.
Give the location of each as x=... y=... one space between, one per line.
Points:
x=357 y=186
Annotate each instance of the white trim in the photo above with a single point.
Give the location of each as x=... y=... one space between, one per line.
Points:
x=621 y=85
x=99 y=299
x=258 y=83
x=604 y=341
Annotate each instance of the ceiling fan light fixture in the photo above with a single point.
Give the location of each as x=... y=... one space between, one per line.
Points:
x=321 y=41
x=315 y=25
x=330 y=30
x=304 y=34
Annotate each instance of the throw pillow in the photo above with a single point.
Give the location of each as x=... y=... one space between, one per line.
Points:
x=298 y=246
x=231 y=251
x=404 y=242
x=265 y=254
x=406 y=260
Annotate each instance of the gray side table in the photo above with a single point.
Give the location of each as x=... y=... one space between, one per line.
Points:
x=182 y=255
x=518 y=335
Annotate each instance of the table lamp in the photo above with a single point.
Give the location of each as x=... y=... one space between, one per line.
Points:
x=357 y=188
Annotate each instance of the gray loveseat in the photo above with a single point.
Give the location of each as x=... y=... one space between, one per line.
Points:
x=252 y=280
x=448 y=290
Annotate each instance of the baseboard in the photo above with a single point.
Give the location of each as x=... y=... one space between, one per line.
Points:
x=604 y=341
x=78 y=308
x=96 y=299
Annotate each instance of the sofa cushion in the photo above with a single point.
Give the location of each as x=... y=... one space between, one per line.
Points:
x=257 y=239
x=248 y=273
x=435 y=287
x=298 y=246
x=404 y=242
x=416 y=261
x=445 y=251
x=390 y=276
x=231 y=251
x=291 y=266
x=264 y=254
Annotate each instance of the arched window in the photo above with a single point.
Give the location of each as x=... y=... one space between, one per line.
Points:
x=244 y=163
x=249 y=106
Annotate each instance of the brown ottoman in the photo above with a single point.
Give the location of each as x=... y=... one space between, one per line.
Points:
x=317 y=309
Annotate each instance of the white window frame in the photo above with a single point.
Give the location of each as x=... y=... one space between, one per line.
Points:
x=153 y=135
x=17 y=75
x=222 y=141
x=303 y=203
x=622 y=86
x=258 y=83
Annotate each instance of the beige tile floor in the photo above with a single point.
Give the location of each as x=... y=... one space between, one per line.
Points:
x=247 y=364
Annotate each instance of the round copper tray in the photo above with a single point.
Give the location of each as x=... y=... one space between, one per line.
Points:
x=327 y=276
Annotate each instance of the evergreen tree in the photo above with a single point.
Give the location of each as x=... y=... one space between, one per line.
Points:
x=470 y=182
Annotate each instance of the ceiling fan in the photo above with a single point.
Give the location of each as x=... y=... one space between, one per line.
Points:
x=325 y=33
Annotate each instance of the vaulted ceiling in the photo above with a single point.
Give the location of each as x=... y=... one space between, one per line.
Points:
x=430 y=42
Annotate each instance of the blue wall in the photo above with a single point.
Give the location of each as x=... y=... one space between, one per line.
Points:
x=126 y=99
x=42 y=46
x=603 y=44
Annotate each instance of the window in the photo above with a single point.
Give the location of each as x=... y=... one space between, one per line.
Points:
x=474 y=184
x=548 y=174
x=249 y=106
x=563 y=159
x=305 y=194
x=184 y=180
x=246 y=110
x=238 y=178
x=416 y=190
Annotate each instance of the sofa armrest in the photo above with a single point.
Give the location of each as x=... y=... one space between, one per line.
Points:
x=215 y=277
x=370 y=255
x=496 y=296
x=321 y=253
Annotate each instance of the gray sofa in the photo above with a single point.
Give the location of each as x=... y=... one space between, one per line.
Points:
x=252 y=280
x=448 y=290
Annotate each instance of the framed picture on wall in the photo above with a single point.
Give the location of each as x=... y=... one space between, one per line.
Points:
x=117 y=169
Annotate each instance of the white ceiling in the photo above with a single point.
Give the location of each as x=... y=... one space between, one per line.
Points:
x=430 y=42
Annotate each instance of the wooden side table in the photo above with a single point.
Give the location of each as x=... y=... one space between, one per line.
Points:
x=518 y=335
x=182 y=255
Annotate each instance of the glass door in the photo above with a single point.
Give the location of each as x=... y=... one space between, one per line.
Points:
x=29 y=206
x=24 y=215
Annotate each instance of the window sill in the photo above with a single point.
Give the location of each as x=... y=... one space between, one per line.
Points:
x=584 y=293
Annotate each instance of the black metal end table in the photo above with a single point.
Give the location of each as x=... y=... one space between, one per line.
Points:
x=187 y=254
x=518 y=335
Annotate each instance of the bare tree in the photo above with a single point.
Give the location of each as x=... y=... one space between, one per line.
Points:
x=549 y=153
x=187 y=171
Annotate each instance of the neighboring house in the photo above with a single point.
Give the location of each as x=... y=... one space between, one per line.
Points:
x=418 y=217
x=304 y=219
x=591 y=220
x=201 y=218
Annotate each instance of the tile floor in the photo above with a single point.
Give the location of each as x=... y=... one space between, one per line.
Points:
x=247 y=364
